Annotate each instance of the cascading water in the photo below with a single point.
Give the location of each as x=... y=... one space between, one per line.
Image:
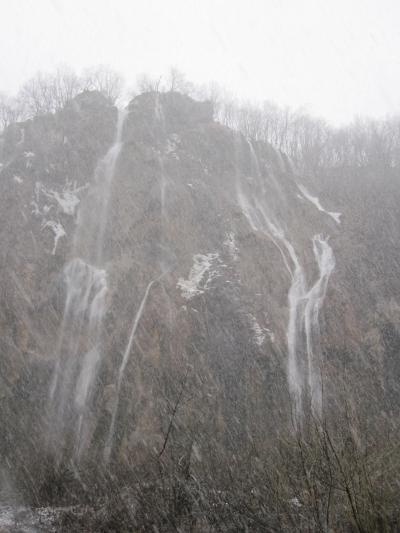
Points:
x=79 y=350
x=121 y=371
x=160 y=126
x=315 y=297
x=304 y=304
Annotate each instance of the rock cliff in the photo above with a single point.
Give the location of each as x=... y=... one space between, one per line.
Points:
x=176 y=271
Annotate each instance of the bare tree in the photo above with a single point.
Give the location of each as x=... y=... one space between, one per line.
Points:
x=46 y=93
x=176 y=81
x=10 y=111
x=104 y=80
x=36 y=95
x=66 y=85
x=146 y=83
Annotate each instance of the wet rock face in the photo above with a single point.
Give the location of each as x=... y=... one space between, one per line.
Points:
x=211 y=253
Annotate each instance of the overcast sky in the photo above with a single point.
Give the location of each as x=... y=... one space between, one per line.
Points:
x=338 y=58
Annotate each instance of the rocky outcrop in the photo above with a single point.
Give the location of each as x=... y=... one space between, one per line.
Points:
x=213 y=248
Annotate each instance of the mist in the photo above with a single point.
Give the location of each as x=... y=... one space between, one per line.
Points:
x=199 y=289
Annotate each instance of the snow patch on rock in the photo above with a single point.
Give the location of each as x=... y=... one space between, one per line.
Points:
x=204 y=269
x=29 y=156
x=260 y=333
x=172 y=144
x=68 y=198
x=230 y=244
x=58 y=231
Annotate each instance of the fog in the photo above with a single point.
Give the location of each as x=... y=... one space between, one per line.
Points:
x=199 y=267
x=337 y=58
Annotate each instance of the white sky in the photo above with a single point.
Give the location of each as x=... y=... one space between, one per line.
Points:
x=338 y=58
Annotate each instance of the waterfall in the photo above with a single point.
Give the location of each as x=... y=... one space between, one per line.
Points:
x=314 y=299
x=124 y=362
x=92 y=216
x=159 y=122
x=79 y=347
x=302 y=332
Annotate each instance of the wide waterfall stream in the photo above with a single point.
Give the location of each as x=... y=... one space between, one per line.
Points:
x=79 y=351
x=303 y=368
